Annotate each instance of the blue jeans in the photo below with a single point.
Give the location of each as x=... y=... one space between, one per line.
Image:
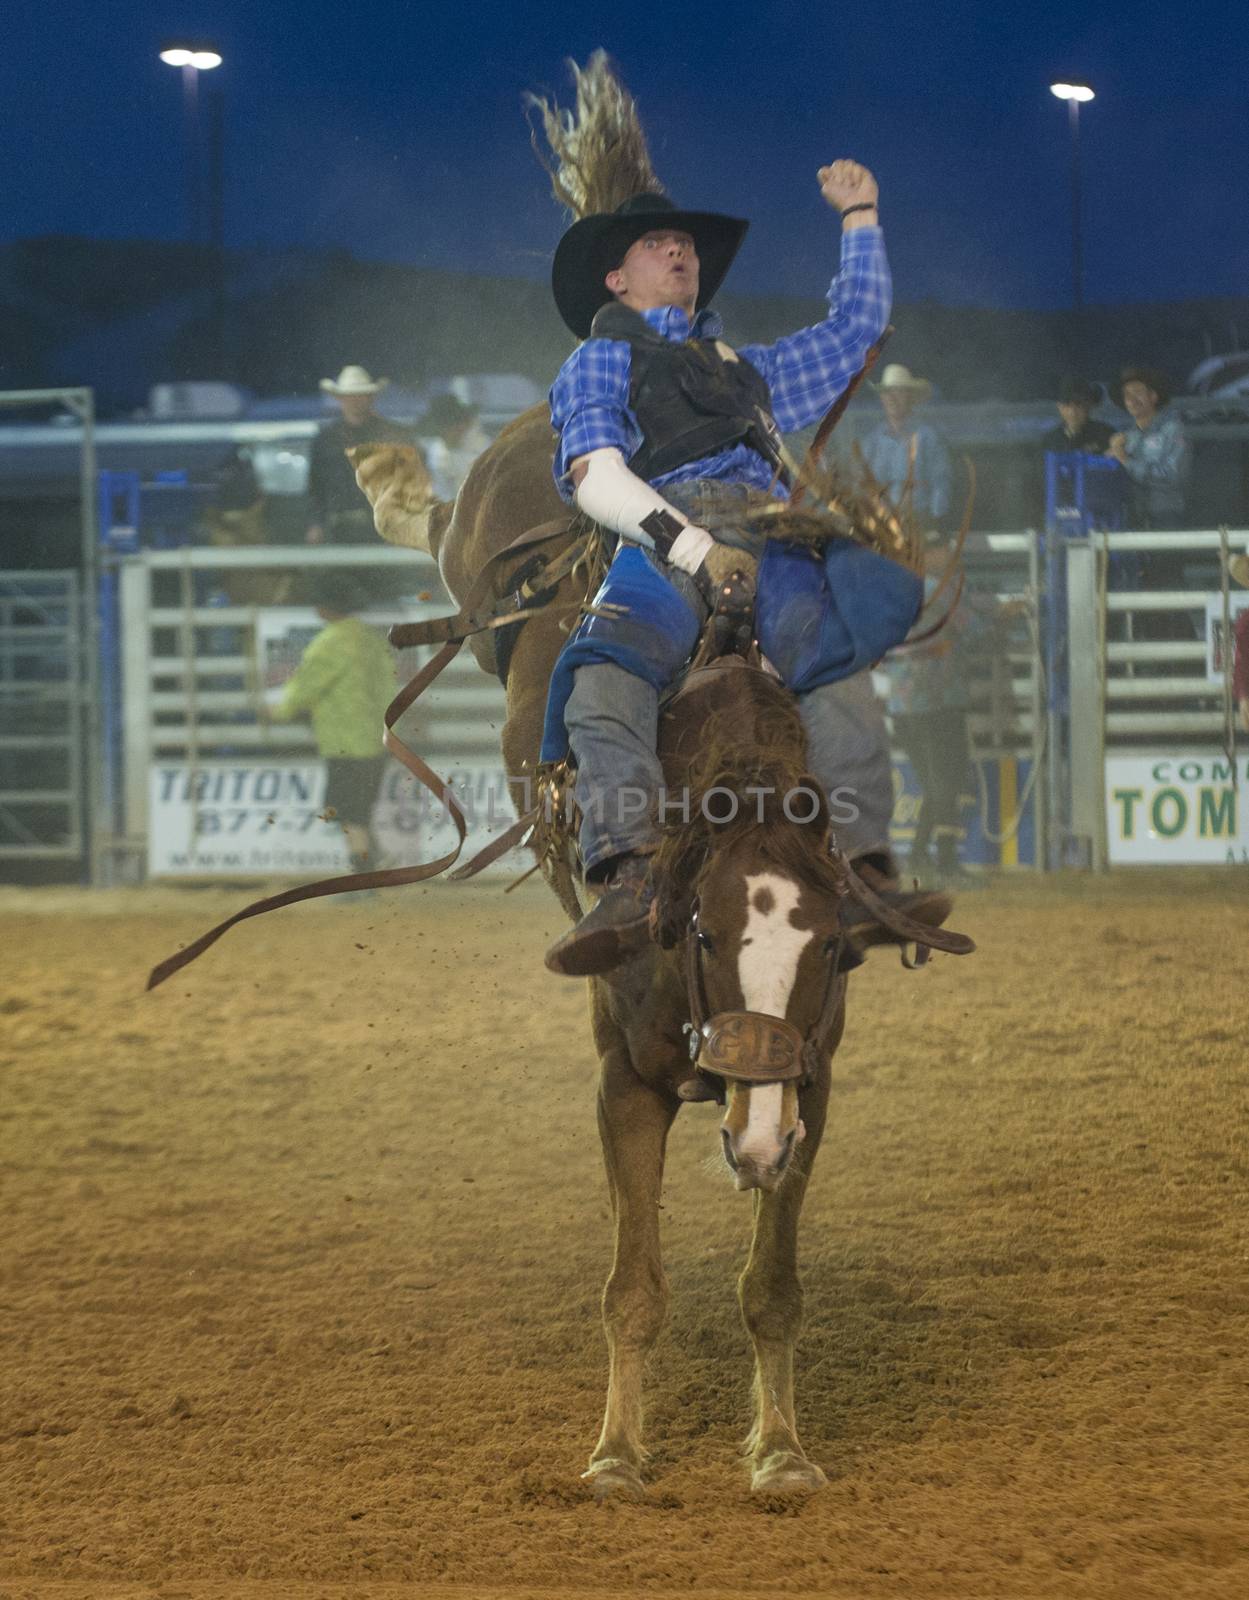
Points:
x=612 y=719
x=613 y=725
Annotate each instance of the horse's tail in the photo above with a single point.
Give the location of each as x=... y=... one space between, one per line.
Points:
x=596 y=155
x=395 y=481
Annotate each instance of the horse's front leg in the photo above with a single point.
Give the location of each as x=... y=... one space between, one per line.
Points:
x=770 y=1292
x=633 y=1124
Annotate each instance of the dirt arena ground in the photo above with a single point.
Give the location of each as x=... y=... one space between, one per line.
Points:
x=302 y=1257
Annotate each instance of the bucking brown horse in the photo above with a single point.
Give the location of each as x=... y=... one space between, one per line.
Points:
x=741 y=995
x=747 y=963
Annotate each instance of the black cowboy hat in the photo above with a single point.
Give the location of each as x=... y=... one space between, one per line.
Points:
x=1151 y=378
x=598 y=244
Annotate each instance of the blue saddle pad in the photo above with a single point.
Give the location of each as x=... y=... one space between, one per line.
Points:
x=824 y=615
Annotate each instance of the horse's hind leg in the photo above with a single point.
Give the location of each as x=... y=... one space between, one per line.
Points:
x=770 y=1293
x=633 y=1124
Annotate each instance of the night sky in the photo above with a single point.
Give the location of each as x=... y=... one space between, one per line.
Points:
x=394 y=129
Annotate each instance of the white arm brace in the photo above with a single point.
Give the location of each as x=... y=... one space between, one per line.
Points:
x=618 y=499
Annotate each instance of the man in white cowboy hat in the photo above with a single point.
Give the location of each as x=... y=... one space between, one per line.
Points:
x=662 y=426
x=338 y=512
x=900 y=449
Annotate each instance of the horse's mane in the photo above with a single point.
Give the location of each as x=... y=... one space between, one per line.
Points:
x=596 y=155
x=772 y=760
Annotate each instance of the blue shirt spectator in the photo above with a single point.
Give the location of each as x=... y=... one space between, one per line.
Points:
x=899 y=450
x=1155 y=453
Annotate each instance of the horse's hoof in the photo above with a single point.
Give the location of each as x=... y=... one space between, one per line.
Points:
x=784 y=1473
x=613 y=1479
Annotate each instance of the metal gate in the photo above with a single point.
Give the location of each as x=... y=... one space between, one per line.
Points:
x=51 y=760
x=43 y=674
x=1149 y=664
x=196 y=641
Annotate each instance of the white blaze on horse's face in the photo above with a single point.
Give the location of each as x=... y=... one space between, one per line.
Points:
x=761 y=1127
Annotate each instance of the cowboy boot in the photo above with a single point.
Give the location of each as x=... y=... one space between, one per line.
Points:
x=928 y=907
x=615 y=929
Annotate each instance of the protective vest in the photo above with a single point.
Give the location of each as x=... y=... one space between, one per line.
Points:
x=691 y=399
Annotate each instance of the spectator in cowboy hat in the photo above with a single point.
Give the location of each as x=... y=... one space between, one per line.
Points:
x=900 y=451
x=1078 y=430
x=1155 y=453
x=338 y=512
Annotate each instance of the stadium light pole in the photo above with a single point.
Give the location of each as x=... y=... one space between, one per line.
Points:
x=193 y=56
x=1075 y=94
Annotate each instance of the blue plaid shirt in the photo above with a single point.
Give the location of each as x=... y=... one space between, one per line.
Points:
x=888 y=456
x=805 y=372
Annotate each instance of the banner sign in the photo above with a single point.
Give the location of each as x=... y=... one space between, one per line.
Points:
x=1182 y=809
x=283 y=633
x=1216 y=645
x=262 y=819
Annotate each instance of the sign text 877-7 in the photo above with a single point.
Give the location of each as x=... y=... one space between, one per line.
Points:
x=236 y=819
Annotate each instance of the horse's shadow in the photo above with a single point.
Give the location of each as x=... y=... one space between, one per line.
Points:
x=882 y=1362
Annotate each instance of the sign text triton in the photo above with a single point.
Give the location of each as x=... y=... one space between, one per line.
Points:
x=238 y=786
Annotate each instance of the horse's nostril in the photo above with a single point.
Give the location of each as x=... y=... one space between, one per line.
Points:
x=728 y=1148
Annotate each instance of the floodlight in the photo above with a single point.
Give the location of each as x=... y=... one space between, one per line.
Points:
x=198 y=56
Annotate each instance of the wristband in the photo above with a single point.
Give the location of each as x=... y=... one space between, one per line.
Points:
x=663 y=528
x=864 y=205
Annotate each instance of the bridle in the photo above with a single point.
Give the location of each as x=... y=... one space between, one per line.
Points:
x=751 y=1046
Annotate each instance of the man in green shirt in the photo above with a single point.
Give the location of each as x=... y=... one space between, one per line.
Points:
x=345 y=680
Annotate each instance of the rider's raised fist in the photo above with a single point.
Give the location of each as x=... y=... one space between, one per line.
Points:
x=847 y=183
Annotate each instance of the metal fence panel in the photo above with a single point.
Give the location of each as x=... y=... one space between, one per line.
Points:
x=42 y=799
x=1150 y=667
x=192 y=674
